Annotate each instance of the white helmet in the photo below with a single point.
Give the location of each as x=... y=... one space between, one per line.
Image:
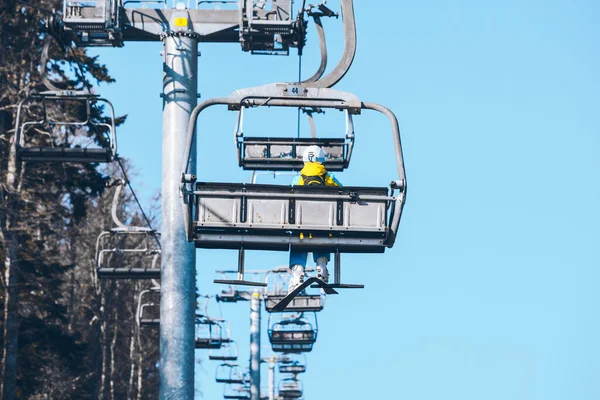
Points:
x=314 y=154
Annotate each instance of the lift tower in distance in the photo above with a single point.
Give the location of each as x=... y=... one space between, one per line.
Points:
x=262 y=27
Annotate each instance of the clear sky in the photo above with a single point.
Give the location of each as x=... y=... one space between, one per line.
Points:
x=491 y=289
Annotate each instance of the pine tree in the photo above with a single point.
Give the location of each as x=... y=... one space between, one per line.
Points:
x=62 y=329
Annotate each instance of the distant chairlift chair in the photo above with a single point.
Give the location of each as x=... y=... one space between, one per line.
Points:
x=293 y=335
x=289 y=366
x=64 y=142
x=230 y=374
x=148 y=309
x=127 y=252
x=236 y=391
x=211 y=332
x=290 y=388
x=227 y=352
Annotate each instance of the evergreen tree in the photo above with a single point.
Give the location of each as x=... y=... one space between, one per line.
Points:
x=64 y=334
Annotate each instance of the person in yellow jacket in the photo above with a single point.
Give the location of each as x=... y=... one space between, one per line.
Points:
x=313 y=173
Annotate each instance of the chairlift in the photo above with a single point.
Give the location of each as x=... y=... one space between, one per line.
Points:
x=292 y=366
x=209 y=334
x=48 y=135
x=293 y=335
x=211 y=331
x=276 y=290
x=148 y=309
x=61 y=142
x=122 y=251
x=290 y=388
x=231 y=374
x=303 y=218
x=227 y=352
x=236 y=391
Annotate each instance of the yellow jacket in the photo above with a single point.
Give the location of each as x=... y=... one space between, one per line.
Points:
x=316 y=169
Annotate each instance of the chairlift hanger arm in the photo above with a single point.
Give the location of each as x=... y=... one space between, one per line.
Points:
x=340 y=70
x=322 y=48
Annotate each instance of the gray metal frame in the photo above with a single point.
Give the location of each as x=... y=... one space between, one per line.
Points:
x=111 y=242
x=272 y=237
x=143 y=305
x=290 y=388
x=230 y=374
x=227 y=352
x=267 y=29
x=65 y=154
x=285 y=153
x=293 y=335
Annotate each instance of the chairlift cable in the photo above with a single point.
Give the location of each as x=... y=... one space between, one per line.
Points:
x=299 y=80
x=118 y=159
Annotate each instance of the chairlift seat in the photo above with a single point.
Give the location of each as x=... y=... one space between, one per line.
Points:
x=205 y=343
x=285 y=154
x=65 y=154
x=239 y=396
x=292 y=368
x=298 y=303
x=128 y=273
x=292 y=341
x=150 y=321
x=290 y=393
x=277 y=217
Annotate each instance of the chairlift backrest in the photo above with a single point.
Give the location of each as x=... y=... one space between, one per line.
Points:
x=65 y=149
x=148 y=309
x=285 y=153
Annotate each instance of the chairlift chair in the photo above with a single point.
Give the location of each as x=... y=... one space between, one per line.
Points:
x=227 y=352
x=292 y=367
x=293 y=335
x=209 y=333
x=304 y=218
x=290 y=388
x=67 y=149
x=148 y=311
x=236 y=391
x=121 y=250
x=230 y=374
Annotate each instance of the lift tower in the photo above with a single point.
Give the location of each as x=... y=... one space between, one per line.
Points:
x=264 y=27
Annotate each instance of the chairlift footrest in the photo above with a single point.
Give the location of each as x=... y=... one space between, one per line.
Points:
x=128 y=273
x=290 y=296
x=239 y=282
x=340 y=286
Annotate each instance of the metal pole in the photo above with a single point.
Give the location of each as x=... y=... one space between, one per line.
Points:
x=178 y=272
x=271 y=379
x=255 y=346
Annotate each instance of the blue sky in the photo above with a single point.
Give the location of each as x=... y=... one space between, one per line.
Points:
x=491 y=290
